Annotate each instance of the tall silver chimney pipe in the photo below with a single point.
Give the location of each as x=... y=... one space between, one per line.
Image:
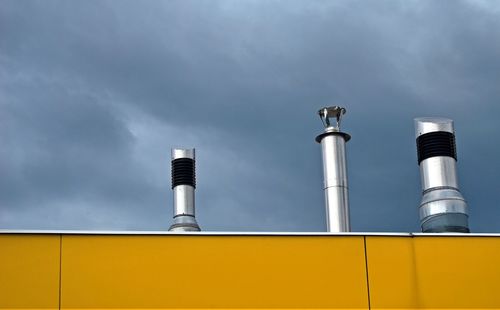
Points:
x=443 y=208
x=183 y=186
x=335 y=170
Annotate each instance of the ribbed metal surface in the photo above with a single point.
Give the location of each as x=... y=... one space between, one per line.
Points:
x=183 y=187
x=183 y=172
x=439 y=143
x=443 y=208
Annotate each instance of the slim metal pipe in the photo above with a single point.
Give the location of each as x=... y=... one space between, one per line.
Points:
x=335 y=186
x=443 y=208
x=183 y=186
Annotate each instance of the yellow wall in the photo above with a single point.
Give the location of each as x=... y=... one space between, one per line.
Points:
x=251 y=272
x=29 y=271
x=434 y=272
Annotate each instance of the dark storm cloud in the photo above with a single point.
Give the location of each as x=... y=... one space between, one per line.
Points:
x=93 y=94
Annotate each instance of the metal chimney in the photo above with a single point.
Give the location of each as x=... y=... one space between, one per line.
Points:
x=335 y=170
x=443 y=208
x=183 y=185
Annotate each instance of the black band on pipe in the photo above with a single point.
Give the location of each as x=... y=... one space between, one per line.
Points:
x=346 y=136
x=183 y=172
x=437 y=143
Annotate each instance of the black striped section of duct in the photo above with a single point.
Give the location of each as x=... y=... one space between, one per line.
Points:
x=183 y=172
x=437 y=143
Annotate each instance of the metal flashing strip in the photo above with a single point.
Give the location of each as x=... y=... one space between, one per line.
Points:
x=450 y=234
x=203 y=233
x=230 y=233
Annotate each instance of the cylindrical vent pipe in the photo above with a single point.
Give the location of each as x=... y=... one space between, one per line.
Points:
x=183 y=186
x=335 y=170
x=443 y=208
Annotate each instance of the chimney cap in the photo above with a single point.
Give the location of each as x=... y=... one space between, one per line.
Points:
x=183 y=153
x=425 y=125
x=326 y=113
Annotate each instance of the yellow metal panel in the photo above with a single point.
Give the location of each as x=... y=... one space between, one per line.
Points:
x=391 y=272
x=458 y=272
x=173 y=272
x=29 y=271
x=434 y=272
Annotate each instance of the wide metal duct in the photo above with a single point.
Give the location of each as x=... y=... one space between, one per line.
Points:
x=335 y=170
x=183 y=186
x=443 y=208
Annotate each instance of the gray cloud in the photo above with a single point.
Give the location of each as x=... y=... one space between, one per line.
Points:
x=93 y=95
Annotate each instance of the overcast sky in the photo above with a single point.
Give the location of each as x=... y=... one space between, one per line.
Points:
x=93 y=94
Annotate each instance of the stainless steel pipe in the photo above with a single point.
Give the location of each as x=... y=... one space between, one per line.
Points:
x=443 y=208
x=183 y=186
x=335 y=186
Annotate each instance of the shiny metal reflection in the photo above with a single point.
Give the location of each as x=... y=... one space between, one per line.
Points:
x=443 y=208
x=334 y=170
x=184 y=198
